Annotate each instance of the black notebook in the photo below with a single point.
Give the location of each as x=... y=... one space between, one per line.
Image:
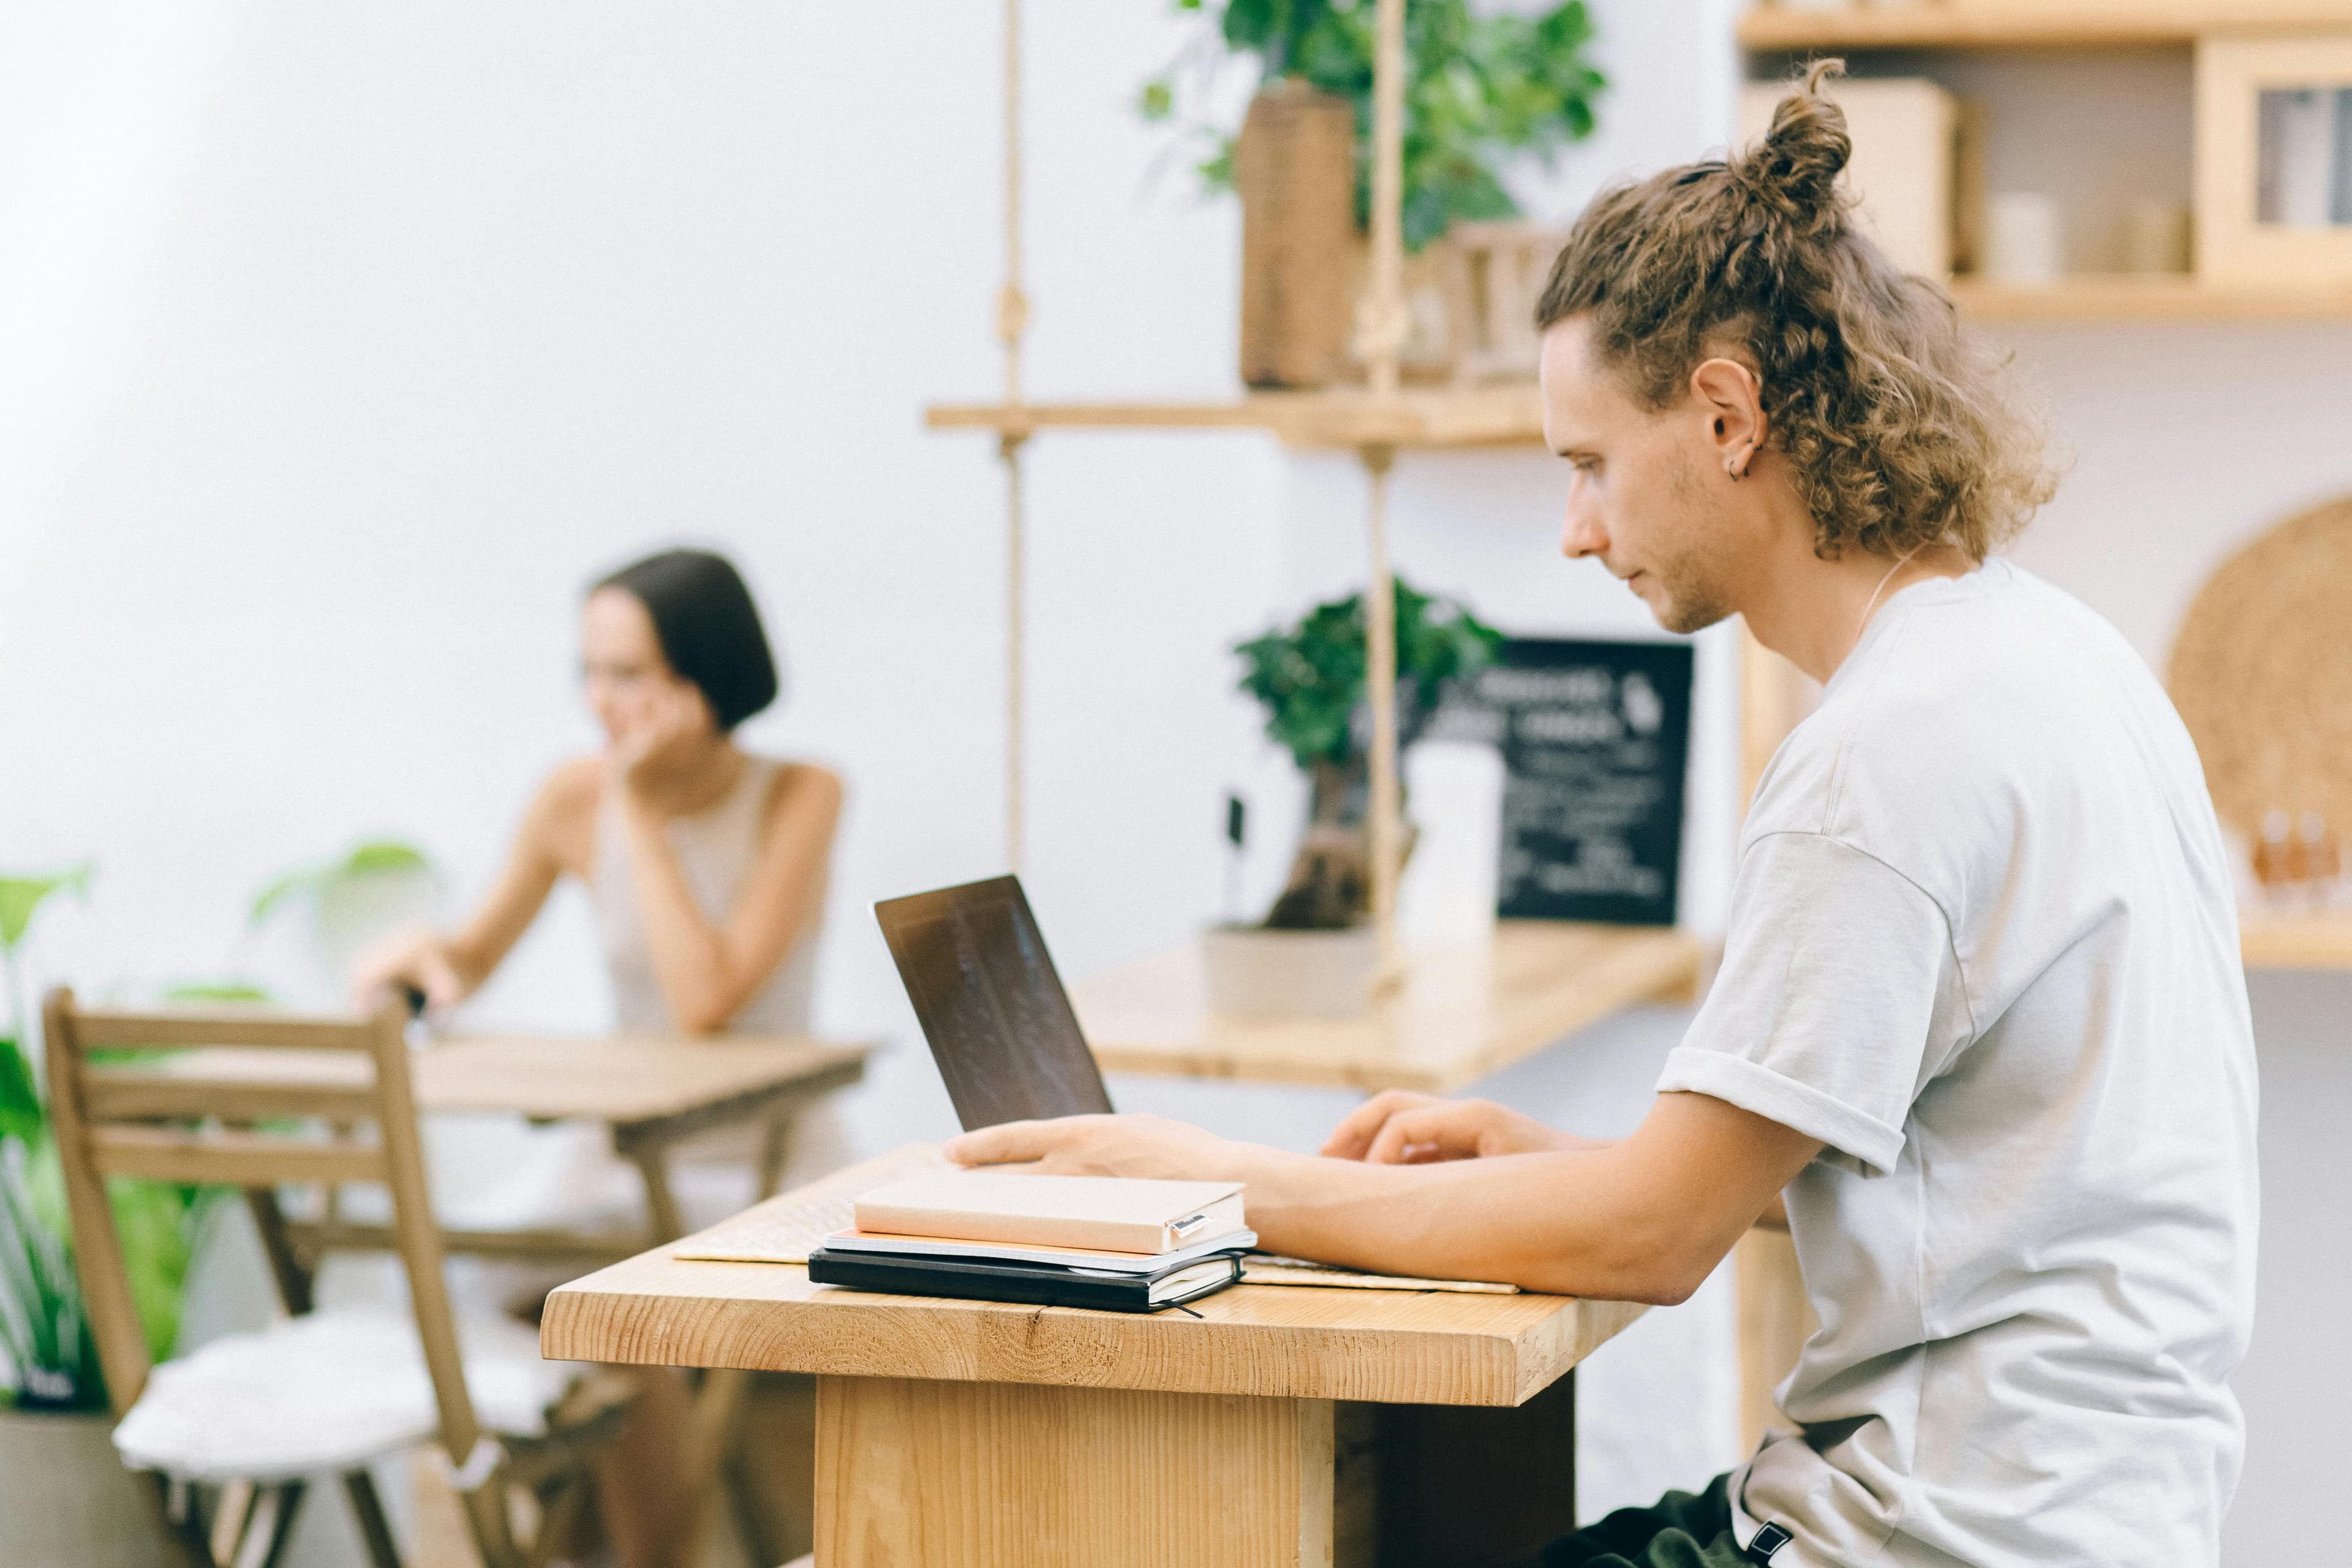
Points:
x=1034 y=1284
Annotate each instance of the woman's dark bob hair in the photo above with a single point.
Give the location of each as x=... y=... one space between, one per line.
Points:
x=707 y=627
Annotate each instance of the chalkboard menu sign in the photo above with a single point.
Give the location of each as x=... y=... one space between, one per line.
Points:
x=1594 y=737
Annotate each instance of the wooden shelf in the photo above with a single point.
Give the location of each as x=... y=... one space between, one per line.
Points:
x=2014 y=24
x=2160 y=297
x=1459 y=1015
x=1510 y=414
x=2296 y=941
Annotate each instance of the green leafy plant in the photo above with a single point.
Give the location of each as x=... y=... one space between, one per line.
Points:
x=21 y=899
x=373 y=858
x=44 y=1331
x=1312 y=679
x=1478 y=87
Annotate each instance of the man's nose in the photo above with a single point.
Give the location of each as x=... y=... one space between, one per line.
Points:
x=1583 y=534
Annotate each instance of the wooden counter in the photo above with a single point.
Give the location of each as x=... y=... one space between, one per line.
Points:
x=1459 y=1015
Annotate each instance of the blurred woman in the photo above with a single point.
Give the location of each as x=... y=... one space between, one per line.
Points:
x=707 y=868
x=706 y=864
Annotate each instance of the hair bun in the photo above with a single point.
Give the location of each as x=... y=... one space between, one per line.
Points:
x=1796 y=166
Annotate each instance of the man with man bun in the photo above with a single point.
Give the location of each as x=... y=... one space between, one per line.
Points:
x=1981 y=1019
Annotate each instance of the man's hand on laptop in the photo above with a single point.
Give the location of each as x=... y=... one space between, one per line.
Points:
x=1400 y=1128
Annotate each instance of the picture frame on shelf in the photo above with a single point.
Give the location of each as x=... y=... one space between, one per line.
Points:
x=2274 y=159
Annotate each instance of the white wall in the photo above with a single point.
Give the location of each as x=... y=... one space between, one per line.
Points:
x=340 y=345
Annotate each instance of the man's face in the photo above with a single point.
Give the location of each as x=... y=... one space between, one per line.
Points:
x=1648 y=497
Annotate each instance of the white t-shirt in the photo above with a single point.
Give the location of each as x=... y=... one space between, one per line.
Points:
x=1983 y=944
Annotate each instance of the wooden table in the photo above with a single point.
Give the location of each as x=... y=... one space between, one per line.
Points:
x=1276 y=1426
x=1459 y=1016
x=652 y=1092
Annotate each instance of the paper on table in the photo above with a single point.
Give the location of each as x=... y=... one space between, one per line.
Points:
x=1270 y=1268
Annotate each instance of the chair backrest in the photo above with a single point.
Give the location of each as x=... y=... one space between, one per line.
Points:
x=250 y=1099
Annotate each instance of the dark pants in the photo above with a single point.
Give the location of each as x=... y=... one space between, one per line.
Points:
x=1678 y=1531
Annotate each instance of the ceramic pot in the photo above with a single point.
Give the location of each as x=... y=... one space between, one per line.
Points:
x=1254 y=973
x=88 y=1508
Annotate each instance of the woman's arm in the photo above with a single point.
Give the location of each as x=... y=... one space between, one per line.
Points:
x=448 y=969
x=1642 y=1220
x=708 y=972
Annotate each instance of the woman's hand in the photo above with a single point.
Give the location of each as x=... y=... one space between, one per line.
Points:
x=672 y=717
x=1105 y=1146
x=1398 y=1128
x=412 y=961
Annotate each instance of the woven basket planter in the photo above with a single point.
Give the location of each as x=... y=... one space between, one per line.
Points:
x=1294 y=167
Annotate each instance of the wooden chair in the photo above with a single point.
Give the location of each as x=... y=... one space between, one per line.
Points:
x=262 y=1100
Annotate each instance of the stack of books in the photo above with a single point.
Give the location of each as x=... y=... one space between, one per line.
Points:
x=1108 y=1242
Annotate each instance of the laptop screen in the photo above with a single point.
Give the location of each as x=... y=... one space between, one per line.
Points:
x=984 y=990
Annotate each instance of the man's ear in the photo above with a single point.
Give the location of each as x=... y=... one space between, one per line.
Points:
x=1726 y=392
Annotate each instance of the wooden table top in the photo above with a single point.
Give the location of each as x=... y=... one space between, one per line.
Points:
x=619 y=1079
x=1388 y=1346
x=1459 y=1015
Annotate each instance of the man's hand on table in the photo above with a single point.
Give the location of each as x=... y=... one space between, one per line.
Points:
x=1395 y=1128
x=1463 y=1189
x=1400 y=1128
x=1392 y=1129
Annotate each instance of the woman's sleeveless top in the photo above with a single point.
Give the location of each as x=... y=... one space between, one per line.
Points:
x=717 y=847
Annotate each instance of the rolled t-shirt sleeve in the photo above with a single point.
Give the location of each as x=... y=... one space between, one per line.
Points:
x=1821 y=1015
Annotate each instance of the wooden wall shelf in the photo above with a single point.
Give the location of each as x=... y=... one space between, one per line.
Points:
x=1437 y=418
x=2010 y=25
x=2296 y=941
x=1511 y=414
x=2124 y=297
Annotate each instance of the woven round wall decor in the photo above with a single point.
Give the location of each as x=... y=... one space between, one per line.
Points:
x=2261 y=673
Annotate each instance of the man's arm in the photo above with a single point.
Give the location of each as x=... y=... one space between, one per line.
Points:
x=1642 y=1220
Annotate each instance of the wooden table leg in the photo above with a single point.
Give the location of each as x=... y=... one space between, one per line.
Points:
x=913 y=1474
x=652 y=1162
x=775 y=1144
x=711 y=1418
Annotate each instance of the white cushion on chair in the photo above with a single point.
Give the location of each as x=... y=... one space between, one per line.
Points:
x=324 y=1393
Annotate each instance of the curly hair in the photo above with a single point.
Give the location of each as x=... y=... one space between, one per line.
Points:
x=1899 y=433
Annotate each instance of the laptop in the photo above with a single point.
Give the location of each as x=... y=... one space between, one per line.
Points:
x=984 y=989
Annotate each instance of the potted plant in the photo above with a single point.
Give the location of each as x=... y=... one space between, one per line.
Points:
x=1478 y=89
x=56 y=1441
x=1315 y=952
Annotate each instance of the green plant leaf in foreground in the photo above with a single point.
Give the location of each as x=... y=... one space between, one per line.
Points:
x=21 y=1116
x=375 y=857
x=42 y=1329
x=21 y=896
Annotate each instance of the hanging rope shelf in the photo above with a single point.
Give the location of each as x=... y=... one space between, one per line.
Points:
x=1595 y=970
x=1382 y=326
